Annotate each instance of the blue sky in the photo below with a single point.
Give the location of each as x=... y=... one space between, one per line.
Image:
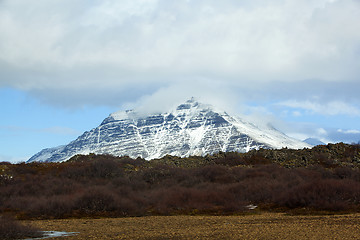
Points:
x=27 y=126
x=65 y=65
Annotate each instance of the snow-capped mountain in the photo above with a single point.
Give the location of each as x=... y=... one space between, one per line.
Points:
x=192 y=128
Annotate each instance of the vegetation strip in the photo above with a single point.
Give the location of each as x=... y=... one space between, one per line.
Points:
x=326 y=180
x=106 y=186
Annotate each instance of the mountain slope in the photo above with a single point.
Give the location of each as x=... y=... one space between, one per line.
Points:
x=314 y=142
x=190 y=129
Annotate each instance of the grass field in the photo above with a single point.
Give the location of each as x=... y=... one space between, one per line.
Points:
x=259 y=226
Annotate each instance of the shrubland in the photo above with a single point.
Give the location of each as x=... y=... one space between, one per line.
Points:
x=322 y=179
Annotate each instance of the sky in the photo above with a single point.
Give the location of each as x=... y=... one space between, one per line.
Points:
x=65 y=65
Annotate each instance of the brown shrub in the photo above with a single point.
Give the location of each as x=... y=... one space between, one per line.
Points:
x=109 y=186
x=325 y=194
x=205 y=199
x=215 y=174
x=10 y=229
x=95 y=200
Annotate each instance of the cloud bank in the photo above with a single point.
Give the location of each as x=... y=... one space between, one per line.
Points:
x=98 y=52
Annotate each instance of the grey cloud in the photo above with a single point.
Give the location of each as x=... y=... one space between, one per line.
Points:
x=331 y=108
x=100 y=52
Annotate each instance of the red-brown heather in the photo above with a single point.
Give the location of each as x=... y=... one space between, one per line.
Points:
x=222 y=184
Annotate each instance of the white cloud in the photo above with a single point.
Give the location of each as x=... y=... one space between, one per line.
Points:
x=321 y=132
x=349 y=131
x=205 y=91
x=67 y=45
x=329 y=108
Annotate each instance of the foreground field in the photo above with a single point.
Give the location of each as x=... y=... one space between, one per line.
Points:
x=261 y=226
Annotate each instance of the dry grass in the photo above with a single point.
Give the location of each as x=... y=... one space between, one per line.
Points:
x=262 y=226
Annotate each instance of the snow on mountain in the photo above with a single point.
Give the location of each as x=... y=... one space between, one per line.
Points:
x=192 y=128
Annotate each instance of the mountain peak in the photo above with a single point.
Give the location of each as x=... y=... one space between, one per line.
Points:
x=191 y=103
x=194 y=105
x=192 y=128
